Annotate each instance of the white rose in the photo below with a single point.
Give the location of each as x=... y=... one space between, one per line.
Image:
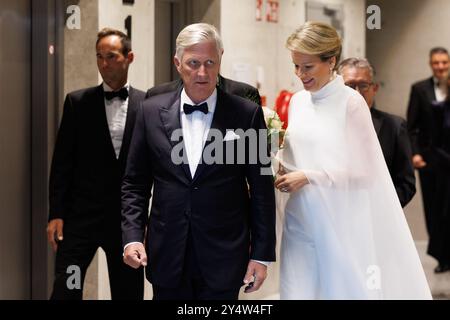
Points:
x=276 y=124
x=268 y=113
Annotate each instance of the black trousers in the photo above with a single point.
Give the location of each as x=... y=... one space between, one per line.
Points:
x=439 y=244
x=76 y=252
x=428 y=186
x=193 y=285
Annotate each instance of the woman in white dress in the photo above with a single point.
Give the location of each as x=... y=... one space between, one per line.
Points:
x=345 y=235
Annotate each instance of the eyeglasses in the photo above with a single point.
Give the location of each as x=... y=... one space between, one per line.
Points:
x=362 y=86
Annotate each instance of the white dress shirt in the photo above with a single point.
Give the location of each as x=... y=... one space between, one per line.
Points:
x=440 y=89
x=195 y=128
x=116 y=114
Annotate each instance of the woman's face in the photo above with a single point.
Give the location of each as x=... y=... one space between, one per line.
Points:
x=312 y=71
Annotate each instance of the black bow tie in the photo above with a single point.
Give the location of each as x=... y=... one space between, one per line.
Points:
x=188 y=109
x=122 y=94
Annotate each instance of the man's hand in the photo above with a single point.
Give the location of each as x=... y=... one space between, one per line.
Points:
x=135 y=255
x=256 y=274
x=418 y=161
x=55 y=232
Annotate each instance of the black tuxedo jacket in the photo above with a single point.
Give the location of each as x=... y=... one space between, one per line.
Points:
x=230 y=86
x=420 y=116
x=393 y=136
x=229 y=221
x=85 y=175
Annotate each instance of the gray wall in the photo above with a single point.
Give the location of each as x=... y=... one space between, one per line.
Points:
x=399 y=52
x=15 y=142
x=258 y=47
x=80 y=64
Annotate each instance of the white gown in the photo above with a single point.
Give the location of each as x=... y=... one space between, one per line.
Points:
x=344 y=234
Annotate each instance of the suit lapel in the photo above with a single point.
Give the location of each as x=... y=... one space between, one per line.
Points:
x=99 y=103
x=431 y=94
x=133 y=103
x=170 y=118
x=377 y=121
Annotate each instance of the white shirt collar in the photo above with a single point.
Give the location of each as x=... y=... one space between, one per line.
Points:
x=437 y=83
x=211 y=101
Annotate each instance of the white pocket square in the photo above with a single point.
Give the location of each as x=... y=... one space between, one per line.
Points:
x=231 y=136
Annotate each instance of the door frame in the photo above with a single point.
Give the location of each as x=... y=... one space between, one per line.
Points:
x=47 y=28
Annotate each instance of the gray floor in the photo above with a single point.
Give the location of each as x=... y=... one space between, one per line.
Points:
x=439 y=283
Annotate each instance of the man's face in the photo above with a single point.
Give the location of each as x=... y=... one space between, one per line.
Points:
x=360 y=80
x=111 y=62
x=199 y=68
x=439 y=63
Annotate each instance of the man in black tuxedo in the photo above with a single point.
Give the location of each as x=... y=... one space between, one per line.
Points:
x=420 y=126
x=230 y=86
x=391 y=130
x=212 y=225
x=88 y=163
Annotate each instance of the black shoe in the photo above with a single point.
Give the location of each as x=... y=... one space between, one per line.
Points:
x=442 y=268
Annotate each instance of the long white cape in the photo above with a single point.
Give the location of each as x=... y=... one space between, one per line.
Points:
x=345 y=235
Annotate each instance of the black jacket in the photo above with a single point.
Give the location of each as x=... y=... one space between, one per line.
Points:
x=228 y=223
x=393 y=136
x=85 y=176
x=420 y=117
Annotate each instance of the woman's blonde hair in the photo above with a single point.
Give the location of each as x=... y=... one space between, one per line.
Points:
x=316 y=38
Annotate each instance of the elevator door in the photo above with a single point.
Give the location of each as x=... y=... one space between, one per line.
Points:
x=15 y=149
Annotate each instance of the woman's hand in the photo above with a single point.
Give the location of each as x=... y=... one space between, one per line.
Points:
x=290 y=182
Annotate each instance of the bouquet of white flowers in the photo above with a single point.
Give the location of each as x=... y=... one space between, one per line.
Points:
x=275 y=131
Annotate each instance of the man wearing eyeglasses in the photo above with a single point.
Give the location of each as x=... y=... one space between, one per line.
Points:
x=391 y=130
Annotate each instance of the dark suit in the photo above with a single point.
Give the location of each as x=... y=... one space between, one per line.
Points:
x=420 y=125
x=211 y=224
x=84 y=191
x=393 y=136
x=439 y=155
x=230 y=86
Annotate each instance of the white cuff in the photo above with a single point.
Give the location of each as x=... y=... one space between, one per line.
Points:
x=266 y=263
x=128 y=244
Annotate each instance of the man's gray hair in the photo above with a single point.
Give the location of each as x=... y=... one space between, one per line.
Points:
x=197 y=33
x=357 y=63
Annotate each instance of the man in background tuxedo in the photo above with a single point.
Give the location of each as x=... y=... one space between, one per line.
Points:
x=420 y=126
x=88 y=163
x=230 y=86
x=212 y=225
x=391 y=130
